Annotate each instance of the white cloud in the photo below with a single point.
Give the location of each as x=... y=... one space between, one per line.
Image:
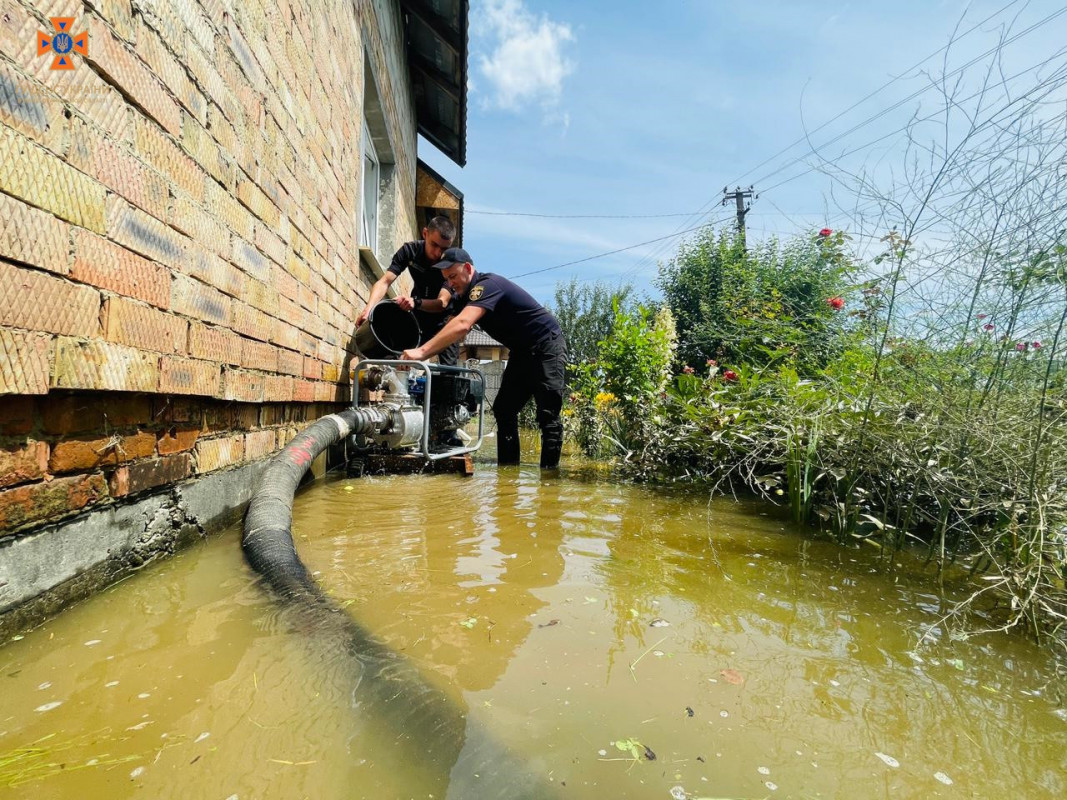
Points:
x=526 y=62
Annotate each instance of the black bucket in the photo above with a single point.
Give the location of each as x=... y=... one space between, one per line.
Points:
x=387 y=331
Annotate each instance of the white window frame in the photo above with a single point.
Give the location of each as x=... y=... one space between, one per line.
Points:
x=370 y=185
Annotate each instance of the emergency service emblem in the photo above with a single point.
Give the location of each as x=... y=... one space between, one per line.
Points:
x=476 y=292
x=62 y=43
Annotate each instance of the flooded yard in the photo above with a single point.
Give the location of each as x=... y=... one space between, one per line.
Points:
x=621 y=641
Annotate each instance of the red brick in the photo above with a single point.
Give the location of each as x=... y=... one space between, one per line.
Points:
x=214 y=271
x=189 y=376
x=177 y=440
x=33 y=236
x=25 y=362
x=212 y=454
x=190 y=218
x=27 y=462
x=259 y=444
x=312 y=368
x=247 y=387
x=290 y=363
x=207 y=153
x=144 y=475
x=115 y=167
x=45 y=501
x=304 y=392
x=141 y=326
x=82 y=412
x=39 y=302
x=119 y=13
x=286 y=335
x=107 y=265
x=113 y=58
x=103 y=365
x=76 y=455
x=259 y=355
x=195 y=299
x=214 y=344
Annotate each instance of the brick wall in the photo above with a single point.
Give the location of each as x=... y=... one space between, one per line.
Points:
x=178 y=268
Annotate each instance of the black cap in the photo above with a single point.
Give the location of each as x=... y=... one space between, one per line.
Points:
x=453 y=255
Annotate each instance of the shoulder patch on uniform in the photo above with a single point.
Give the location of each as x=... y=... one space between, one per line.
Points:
x=476 y=292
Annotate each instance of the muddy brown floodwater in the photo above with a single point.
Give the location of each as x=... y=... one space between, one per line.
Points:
x=587 y=625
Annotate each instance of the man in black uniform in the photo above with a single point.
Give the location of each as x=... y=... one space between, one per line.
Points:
x=429 y=297
x=538 y=353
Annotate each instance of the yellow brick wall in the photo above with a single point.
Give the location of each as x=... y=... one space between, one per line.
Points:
x=178 y=219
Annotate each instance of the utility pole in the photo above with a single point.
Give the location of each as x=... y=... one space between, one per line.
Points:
x=739 y=195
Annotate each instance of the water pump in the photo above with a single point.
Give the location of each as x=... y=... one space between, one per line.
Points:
x=410 y=406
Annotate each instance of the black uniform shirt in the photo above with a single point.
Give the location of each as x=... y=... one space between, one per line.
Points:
x=427 y=280
x=512 y=316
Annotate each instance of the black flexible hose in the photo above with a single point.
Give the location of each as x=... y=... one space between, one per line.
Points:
x=443 y=741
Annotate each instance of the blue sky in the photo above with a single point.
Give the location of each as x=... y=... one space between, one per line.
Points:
x=598 y=108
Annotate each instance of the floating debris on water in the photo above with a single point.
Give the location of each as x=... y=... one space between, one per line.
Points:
x=763 y=770
x=771 y=785
x=202 y=736
x=49 y=706
x=92 y=642
x=659 y=623
x=945 y=779
x=678 y=793
x=137 y=773
x=888 y=759
x=45 y=685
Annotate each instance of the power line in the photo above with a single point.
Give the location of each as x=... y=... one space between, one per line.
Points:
x=610 y=252
x=706 y=206
x=573 y=216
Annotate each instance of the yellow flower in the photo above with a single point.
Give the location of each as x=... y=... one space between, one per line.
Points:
x=603 y=400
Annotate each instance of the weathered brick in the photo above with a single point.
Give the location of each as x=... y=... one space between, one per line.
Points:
x=329 y=392
x=103 y=263
x=214 y=271
x=247 y=387
x=212 y=454
x=304 y=391
x=25 y=362
x=30 y=172
x=189 y=376
x=177 y=440
x=259 y=444
x=41 y=502
x=144 y=475
x=31 y=109
x=33 y=236
x=158 y=150
x=290 y=363
x=143 y=327
x=25 y=462
x=65 y=414
x=119 y=13
x=259 y=355
x=260 y=296
x=251 y=322
x=331 y=372
x=143 y=233
x=272 y=245
x=103 y=365
x=169 y=410
x=251 y=261
x=156 y=55
x=210 y=82
x=214 y=344
x=39 y=302
x=285 y=435
x=111 y=56
x=115 y=167
x=191 y=219
x=195 y=299
x=207 y=153
x=284 y=334
x=221 y=204
x=312 y=368
x=278 y=388
x=257 y=202
x=17 y=413
x=79 y=455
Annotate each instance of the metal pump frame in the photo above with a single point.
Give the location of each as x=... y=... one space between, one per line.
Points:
x=428 y=369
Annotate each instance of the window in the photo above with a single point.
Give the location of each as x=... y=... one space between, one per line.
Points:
x=371 y=180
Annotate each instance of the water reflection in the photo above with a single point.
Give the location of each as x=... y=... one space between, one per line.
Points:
x=528 y=603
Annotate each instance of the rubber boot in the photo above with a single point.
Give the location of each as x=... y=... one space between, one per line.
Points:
x=551 y=447
x=507 y=446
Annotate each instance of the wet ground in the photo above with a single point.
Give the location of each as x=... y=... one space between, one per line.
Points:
x=623 y=641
